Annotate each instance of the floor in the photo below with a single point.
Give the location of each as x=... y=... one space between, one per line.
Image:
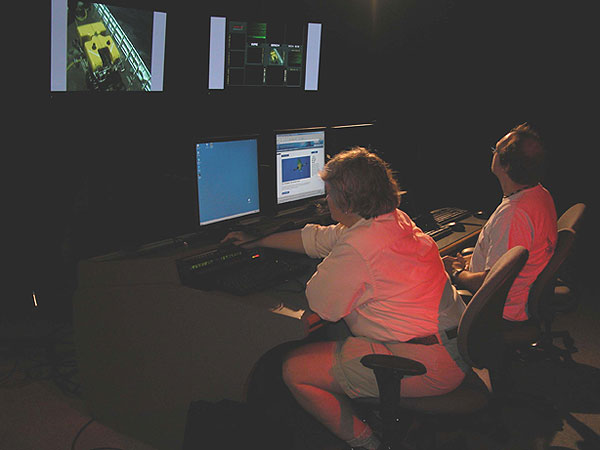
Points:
x=41 y=406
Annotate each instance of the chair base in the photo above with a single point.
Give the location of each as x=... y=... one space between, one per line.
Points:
x=446 y=431
x=545 y=349
x=450 y=432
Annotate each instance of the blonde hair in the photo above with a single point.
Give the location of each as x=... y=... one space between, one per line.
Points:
x=360 y=182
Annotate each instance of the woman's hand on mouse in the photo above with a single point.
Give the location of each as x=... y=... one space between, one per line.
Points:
x=240 y=238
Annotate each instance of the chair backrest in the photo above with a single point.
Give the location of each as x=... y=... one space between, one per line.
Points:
x=480 y=329
x=572 y=217
x=543 y=286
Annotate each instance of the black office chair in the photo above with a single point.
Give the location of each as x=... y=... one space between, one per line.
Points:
x=480 y=345
x=549 y=296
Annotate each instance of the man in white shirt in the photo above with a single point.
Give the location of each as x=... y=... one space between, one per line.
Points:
x=526 y=216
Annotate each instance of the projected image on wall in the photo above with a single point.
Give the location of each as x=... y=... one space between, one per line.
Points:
x=106 y=48
x=246 y=53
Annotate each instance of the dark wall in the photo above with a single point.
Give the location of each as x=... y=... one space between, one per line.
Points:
x=444 y=80
x=481 y=69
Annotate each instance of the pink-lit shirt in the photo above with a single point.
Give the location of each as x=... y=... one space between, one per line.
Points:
x=383 y=276
x=527 y=218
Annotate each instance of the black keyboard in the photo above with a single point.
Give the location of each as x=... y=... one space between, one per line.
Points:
x=198 y=270
x=449 y=214
x=242 y=272
x=262 y=274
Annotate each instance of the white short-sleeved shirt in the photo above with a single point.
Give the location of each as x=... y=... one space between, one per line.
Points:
x=527 y=218
x=383 y=276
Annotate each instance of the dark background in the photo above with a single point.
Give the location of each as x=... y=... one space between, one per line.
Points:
x=444 y=80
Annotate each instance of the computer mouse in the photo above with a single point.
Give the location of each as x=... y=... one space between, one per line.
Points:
x=456 y=226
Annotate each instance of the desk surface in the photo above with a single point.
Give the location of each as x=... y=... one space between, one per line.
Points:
x=458 y=240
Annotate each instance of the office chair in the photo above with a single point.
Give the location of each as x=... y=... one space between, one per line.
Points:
x=549 y=296
x=480 y=344
x=535 y=334
x=565 y=289
x=572 y=217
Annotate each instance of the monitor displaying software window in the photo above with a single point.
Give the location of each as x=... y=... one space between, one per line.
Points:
x=300 y=155
x=227 y=175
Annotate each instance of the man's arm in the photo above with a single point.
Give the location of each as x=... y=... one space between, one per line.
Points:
x=471 y=281
x=457 y=267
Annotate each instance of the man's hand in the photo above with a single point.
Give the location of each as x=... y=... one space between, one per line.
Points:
x=455 y=262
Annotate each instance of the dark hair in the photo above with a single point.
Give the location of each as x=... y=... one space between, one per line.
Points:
x=524 y=155
x=361 y=182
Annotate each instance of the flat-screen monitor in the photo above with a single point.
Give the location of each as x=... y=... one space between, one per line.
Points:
x=108 y=46
x=227 y=178
x=344 y=137
x=300 y=155
x=247 y=53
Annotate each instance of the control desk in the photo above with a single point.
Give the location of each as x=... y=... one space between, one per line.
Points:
x=149 y=345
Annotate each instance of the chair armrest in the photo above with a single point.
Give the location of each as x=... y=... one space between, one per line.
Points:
x=397 y=364
x=389 y=371
x=467 y=251
x=564 y=300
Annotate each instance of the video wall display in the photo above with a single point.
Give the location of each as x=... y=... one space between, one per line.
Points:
x=120 y=45
x=246 y=53
x=106 y=47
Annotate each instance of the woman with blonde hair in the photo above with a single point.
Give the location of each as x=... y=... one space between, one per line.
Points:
x=384 y=277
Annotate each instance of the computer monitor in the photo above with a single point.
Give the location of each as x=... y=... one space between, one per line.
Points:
x=299 y=156
x=227 y=178
x=255 y=53
x=345 y=136
x=112 y=45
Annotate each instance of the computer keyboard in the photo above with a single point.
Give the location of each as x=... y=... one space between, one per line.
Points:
x=240 y=271
x=262 y=274
x=449 y=214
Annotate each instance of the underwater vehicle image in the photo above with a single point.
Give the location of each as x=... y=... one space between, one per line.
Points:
x=108 y=48
x=102 y=57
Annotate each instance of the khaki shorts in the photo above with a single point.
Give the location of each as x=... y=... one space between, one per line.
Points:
x=442 y=376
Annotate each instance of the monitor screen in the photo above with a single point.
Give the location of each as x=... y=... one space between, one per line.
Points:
x=300 y=155
x=227 y=174
x=245 y=53
x=106 y=46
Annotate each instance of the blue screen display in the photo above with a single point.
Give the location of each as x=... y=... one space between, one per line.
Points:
x=227 y=174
